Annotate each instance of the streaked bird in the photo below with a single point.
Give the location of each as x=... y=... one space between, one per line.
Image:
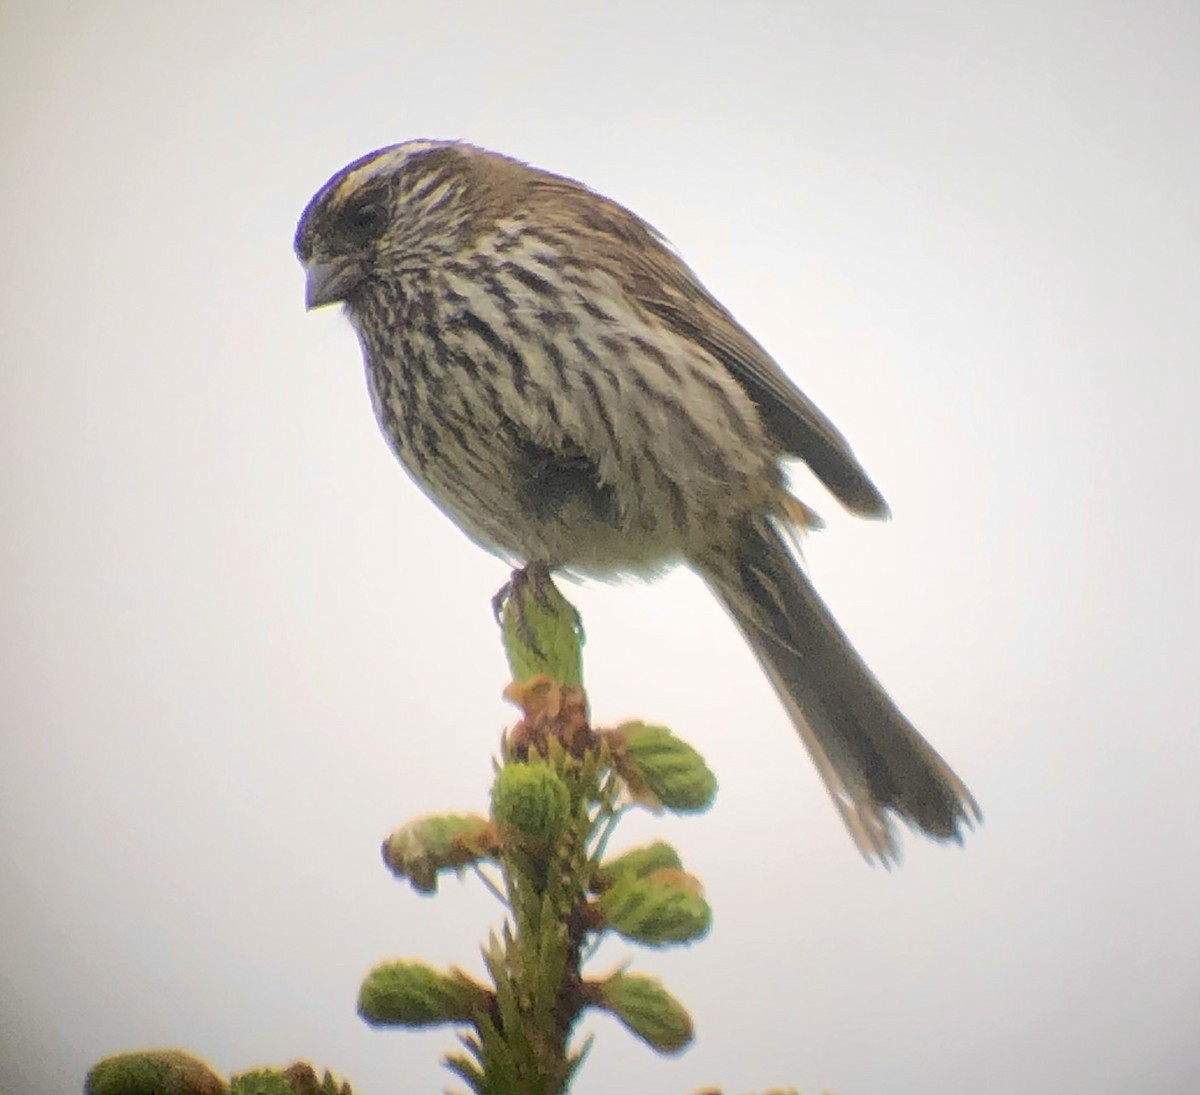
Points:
x=562 y=385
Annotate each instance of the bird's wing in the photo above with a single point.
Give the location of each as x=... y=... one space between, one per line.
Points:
x=670 y=291
x=658 y=280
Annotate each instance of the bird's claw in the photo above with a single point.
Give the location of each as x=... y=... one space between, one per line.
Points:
x=535 y=577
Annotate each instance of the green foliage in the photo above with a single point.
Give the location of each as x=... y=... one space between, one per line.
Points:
x=176 y=1072
x=659 y=909
x=540 y=628
x=558 y=795
x=638 y=863
x=153 y=1072
x=560 y=790
x=663 y=771
x=260 y=1081
x=414 y=994
x=427 y=846
x=648 y=1010
x=531 y=802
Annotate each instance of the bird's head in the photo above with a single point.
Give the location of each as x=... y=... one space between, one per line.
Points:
x=392 y=211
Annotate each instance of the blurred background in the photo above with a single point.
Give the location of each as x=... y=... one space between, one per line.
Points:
x=239 y=647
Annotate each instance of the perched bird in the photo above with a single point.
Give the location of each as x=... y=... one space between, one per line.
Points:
x=558 y=381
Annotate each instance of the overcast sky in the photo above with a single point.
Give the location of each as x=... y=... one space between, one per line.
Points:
x=239 y=646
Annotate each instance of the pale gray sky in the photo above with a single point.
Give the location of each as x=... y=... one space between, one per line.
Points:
x=239 y=646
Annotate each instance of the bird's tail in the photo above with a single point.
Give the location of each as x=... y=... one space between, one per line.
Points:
x=872 y=759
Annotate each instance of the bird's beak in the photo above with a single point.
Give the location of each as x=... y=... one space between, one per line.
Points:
x=330 y=280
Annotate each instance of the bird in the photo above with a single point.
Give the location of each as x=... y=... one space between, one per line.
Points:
x=556 y=379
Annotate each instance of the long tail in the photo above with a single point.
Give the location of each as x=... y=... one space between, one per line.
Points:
x=872 y=759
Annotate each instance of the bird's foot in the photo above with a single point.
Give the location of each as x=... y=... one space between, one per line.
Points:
x=536 y=579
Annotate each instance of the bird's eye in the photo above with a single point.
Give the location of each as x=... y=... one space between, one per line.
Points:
x=367 y=220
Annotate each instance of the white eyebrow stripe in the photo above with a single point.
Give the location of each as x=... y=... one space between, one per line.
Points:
x=384 y=162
